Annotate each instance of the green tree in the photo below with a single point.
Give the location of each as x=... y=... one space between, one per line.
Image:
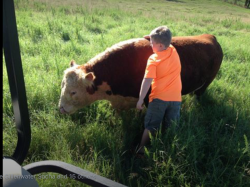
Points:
x=247 y=3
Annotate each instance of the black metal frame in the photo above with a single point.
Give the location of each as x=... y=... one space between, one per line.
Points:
x=19 y=102
x=72 y=172
x=16 y=81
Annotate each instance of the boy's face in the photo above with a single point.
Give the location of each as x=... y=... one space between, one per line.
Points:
x=157 y=47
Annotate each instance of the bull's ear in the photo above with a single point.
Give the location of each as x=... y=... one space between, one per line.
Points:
x=90 y=76
x=72 y=63
x=147 y=37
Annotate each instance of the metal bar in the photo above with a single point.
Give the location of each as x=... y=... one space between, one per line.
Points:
x=16 y=81
x=72 y=172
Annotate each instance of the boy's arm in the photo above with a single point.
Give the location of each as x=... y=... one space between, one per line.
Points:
x=143 y=92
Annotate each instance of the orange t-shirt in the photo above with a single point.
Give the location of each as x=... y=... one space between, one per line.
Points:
x=165 y=69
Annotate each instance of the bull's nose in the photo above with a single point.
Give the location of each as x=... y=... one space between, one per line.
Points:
x=63 y=111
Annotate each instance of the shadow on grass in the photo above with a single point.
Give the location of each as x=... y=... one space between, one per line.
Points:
x=210 y=147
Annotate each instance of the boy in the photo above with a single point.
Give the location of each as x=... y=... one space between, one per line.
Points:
x=163 y=74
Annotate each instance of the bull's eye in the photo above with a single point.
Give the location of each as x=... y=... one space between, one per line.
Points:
x=73 y=93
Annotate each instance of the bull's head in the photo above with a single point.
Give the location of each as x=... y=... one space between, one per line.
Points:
x=74 y=86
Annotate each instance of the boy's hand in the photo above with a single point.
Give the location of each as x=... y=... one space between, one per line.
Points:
x=139 y=105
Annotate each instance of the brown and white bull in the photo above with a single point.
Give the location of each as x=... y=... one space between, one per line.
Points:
x=116 y=74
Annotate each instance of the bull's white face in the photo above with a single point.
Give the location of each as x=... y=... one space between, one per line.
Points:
x=73 y=90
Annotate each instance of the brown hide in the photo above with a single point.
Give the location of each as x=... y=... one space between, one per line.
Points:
x=123 y=67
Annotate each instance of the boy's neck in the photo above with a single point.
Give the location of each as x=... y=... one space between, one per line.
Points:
x=163 y=49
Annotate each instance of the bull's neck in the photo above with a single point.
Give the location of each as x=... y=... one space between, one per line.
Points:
x=103 y=92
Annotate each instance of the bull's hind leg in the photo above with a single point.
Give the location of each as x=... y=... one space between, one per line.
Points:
x=215 y=66
x=199 y=92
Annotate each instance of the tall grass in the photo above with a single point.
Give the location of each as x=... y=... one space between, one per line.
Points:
x=211 y=146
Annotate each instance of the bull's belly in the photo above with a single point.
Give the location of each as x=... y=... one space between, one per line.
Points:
x=122 y=103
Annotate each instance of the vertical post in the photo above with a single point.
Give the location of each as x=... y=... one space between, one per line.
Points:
x=16 y=81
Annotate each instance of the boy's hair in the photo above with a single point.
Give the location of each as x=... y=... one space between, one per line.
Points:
x=162 y=35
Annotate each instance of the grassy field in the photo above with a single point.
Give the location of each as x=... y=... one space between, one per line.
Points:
x=211 y=148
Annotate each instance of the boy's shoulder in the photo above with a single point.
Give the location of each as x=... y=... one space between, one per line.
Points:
x=152 y=58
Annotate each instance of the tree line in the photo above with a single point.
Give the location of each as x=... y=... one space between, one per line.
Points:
x=239 y=2
x=247 y=3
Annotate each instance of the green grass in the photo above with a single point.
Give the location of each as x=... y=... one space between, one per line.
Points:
x=211 y=147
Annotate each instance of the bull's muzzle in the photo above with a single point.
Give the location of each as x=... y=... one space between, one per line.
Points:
x=62 y=110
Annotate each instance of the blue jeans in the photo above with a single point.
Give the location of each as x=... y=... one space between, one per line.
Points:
x=160 y=111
